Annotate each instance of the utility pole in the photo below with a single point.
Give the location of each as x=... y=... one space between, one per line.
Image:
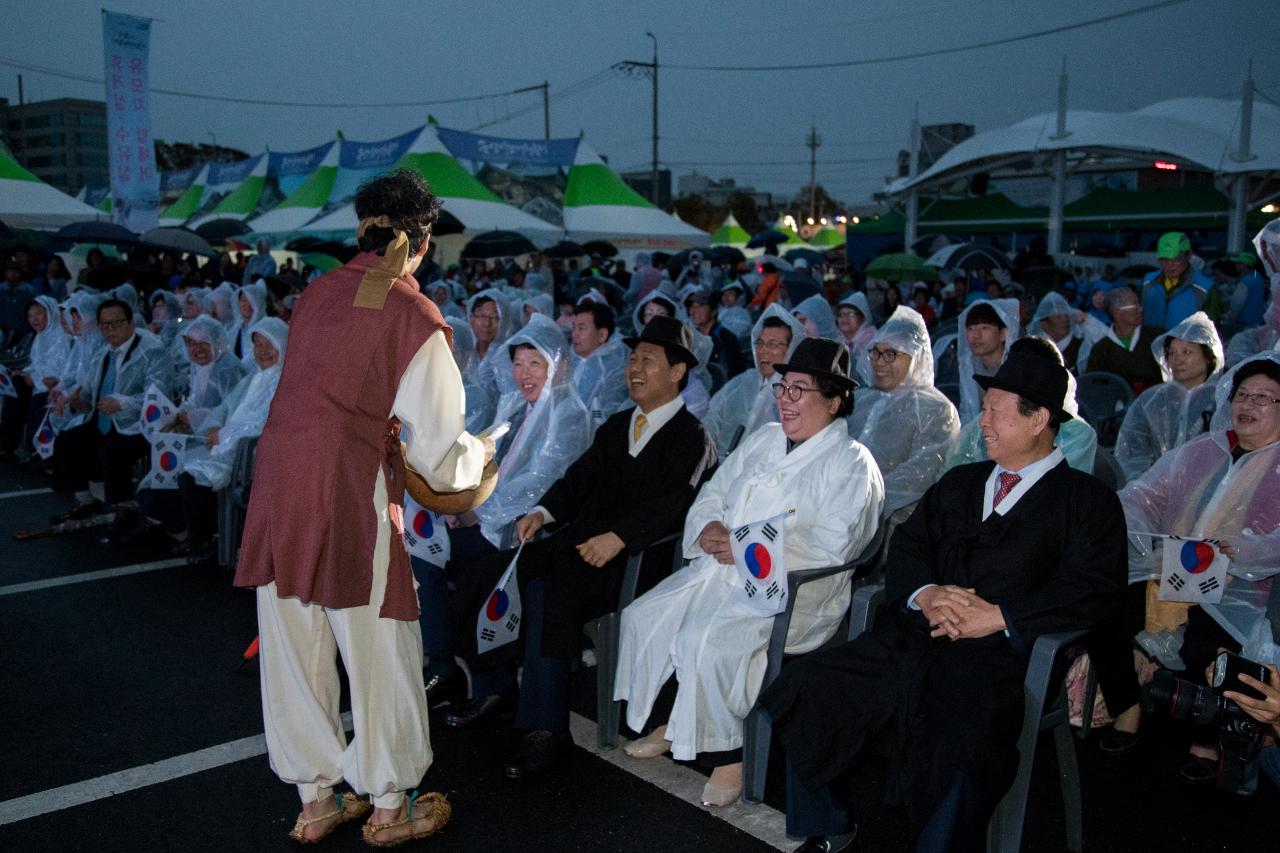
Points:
x=912 y=227
x=649 y=69
x=22 y=126
x=814 y=142
x=1236 y=222
x=545 y=88
x=1058 y=192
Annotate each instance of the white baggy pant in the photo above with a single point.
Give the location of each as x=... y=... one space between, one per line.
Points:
x=391 y=747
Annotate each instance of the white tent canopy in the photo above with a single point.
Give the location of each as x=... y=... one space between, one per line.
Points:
x=28 y=202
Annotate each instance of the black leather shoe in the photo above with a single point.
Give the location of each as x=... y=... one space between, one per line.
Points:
x=481 y=706
x=447 y=689
x=1118 y=743
x=540 y=751
x=829 y=843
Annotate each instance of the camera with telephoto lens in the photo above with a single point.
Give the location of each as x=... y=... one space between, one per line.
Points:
x=1239 y=735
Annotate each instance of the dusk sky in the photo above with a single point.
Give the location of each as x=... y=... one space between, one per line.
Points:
x=749 y=125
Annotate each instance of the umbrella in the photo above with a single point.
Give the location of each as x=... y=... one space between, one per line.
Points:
x=320 y=261
x=178 y=240
x=900 y=266
x=779 y=263
x=145 y=279
x=813 y=256
x=800 y=286
x=221 y=230
x=5 y=232
x=725 y=254
x=969 y=257
x=95 y=232
x=565 y=249
x=497 y=244
x=930 y=243
x=768 y=239
x=237 y=246
x=447 y=223
x=603 y=248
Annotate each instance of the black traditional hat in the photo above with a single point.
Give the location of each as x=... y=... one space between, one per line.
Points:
x=1033 y=377
x=670 y=333
x=820 y=357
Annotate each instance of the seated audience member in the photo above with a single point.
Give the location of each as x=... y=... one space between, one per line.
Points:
x=818 y=318
x=733 y=312
x=1177 y=290
x=166 y=313
x=703 y=307
x=537 y=303
x=81 y=312
x=250 y=306
x=20 y=416
x=1259 y=338
x=598 y=375
x=857 y=328
x=988 y=328
x=904 y=421
x=218 y=303
x=994 y=555
x=631 y=487
x=697 y=391
x=105 y=447
x=1166 y=415
x=746 y=401
x=128 y=294
x=1065 y=327
x=1219 y=485
x=1126 y=350
x=645 y=278
x=492 y=321
x=695 y=626
x=1077 y=440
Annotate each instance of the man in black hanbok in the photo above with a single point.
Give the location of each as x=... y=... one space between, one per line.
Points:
x=995 y=554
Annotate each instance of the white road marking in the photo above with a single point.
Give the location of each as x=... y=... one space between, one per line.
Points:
x=84 y=577
x=25 y=493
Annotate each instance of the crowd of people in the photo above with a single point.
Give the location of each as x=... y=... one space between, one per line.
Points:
x=706 y=399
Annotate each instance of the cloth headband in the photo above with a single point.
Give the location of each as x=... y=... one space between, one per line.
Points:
x=377 y=282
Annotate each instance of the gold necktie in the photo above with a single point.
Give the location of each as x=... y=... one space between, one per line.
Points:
x=638 y=429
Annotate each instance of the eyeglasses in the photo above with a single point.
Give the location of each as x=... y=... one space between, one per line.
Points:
x=1262 y=401
x=112 y=324
x=761 y=343
x=888 y=356
x=793 y=392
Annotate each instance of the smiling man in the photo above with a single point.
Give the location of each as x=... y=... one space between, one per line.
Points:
x=995 y=554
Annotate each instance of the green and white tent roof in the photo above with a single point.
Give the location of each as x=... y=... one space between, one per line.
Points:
x=188 y=203
x=304 y=203
x=242 y=201
x=794 y=240
x=598 y=205
x=28 y=202
x=827 y=238
x=461 y=194
x=730 y=233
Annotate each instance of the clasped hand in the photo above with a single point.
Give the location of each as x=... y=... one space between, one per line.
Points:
x=600 y=549
x=714 y=540
x=958 y=613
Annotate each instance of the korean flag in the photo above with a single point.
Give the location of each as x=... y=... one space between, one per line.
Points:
x=157 y=411
x=762 y=574
x=168 y=454
x=498 y=622
x=44 y=438
x=1193 y=570
x=425 y=535
x=6 y=383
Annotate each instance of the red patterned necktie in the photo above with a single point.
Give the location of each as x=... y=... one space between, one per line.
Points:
x=1007 y=482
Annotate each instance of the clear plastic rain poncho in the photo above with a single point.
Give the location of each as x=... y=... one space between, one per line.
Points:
x=600 y=379
x=483 y=378
x=908 y=429
x=970 y=392
x=1090 y=330
x=208 y=385
x=167 y=326
x=82 y=307
x=746 y=400
x=697 y=393
x=218 y=303
x=818 y=318
x=861 y=339
x=51 y=349
x=1265 y=337
x=539 y=303
x=243 y=412
x=128 y=294
x=1197 y=491
x=1166 y=415
x=554 y=432
x=256 y=293
x=736 y=318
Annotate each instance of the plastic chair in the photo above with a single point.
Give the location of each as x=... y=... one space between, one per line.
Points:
x=757 y=728
x=1045 y=709
x=1107 y=469
x=1104 y=398
x=603 y=633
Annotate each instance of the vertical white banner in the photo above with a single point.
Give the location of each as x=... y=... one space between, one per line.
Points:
x=135 y=179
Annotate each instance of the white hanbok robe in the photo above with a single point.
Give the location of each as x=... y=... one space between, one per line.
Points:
x=694 y=625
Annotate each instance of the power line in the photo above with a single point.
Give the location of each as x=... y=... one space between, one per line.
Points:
x=557 y=96
x=83 y=78
x=880 y=60
x=805 y=163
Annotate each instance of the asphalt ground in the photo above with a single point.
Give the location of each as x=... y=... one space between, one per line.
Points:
x=129 y=728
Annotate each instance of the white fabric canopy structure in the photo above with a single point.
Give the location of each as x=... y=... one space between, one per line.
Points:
x=28 y=202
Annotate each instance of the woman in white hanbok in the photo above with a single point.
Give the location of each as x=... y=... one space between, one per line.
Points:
x=697 y=624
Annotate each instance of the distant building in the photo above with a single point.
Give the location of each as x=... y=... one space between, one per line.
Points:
x=717 y=190
x=63 y=142
x=641 y=180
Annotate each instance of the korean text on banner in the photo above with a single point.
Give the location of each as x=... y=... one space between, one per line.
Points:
x=135 y=178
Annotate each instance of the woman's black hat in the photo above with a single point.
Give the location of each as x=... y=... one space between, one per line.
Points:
x=820 y=357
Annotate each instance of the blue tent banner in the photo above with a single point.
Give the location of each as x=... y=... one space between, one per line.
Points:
x=495 y=149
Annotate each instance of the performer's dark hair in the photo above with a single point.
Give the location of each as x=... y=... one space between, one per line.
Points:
x=601 y=315
x=403 y=197
x=114 y=303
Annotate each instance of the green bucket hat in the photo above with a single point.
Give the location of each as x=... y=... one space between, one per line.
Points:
x=1172 y=245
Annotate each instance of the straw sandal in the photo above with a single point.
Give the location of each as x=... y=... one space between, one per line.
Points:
x=436 y=808
x=347 y=807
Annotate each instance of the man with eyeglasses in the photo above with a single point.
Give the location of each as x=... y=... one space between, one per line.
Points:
x=108 y=443
x=745 y=401
x=1126 y=351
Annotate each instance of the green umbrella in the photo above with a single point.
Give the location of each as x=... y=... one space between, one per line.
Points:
x=900 y=266
x=320 y=261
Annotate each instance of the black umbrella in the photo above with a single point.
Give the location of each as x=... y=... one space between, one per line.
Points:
x=677 y=262
x=109 y=276
x=447 y=223
x=603 y=248
x=800 y=286
x=813 y=256
x=565 y=249
x=659 y=259
x=221 y=230
x=725 y=255
x=969 y=257
x=178 y=240
x=95 y=232
x=497 y=244
x=5 y=232
x=768 y=239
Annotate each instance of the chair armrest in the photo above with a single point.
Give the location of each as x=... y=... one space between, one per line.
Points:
x=863 y=607
x=1039 y=678
x=631 y=576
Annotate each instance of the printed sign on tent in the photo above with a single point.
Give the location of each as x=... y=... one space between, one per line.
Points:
x=168 y=456
x=425 y=535
x=762 y=573
x=498 y=622
x=1193 y=570
x=157 y=411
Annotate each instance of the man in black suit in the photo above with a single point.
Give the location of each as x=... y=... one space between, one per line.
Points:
x=995 y=554
x=632 y=486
